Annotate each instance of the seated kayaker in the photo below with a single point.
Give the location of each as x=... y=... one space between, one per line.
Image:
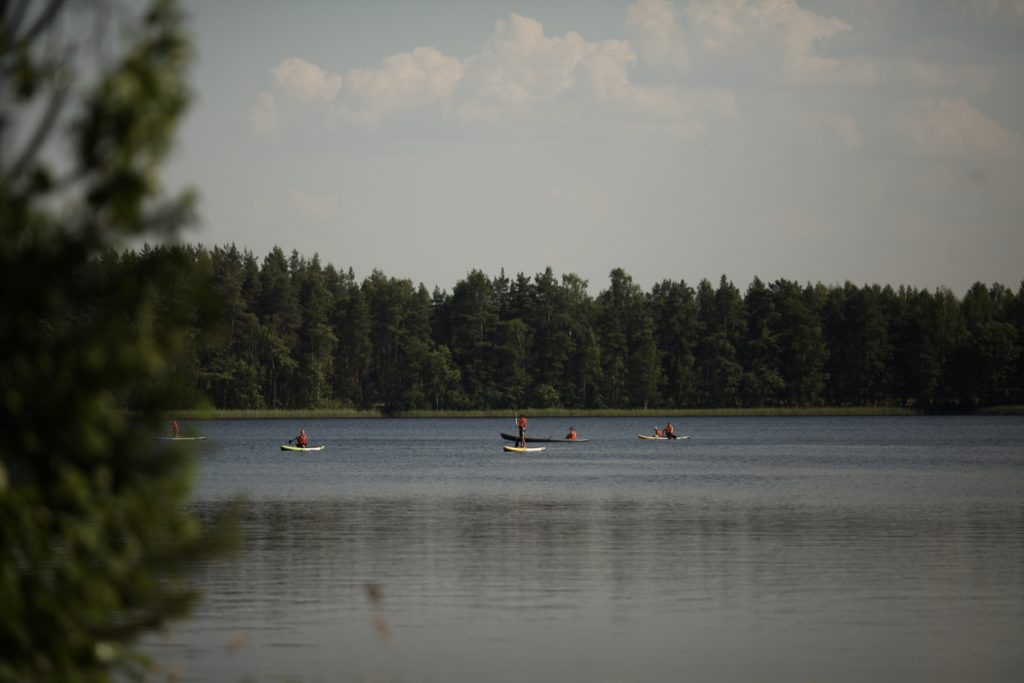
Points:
x=302 y=440
x=572 y=434
x=670 y=432
x=658 y=431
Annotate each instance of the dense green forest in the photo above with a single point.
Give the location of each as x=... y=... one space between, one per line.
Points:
x=291 y=332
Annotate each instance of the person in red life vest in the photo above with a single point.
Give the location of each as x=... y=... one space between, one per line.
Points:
x=670 y=432
x=521 y=423
x=302 y=440
x=175 y=432
x=572 y=434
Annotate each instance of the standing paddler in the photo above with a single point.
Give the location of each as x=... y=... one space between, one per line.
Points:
x=521 y=424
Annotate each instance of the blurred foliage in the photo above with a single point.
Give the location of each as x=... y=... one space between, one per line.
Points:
x=94 y=539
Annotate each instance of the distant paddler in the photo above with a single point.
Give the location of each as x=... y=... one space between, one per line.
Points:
x=302 y=440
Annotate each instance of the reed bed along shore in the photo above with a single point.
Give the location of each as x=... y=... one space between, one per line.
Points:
x=346 y=413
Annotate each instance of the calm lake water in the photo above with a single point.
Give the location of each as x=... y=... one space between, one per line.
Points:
x=762 y=549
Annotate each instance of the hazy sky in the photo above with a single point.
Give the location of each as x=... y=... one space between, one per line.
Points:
x=872 y=141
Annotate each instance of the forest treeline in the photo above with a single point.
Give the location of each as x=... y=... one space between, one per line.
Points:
x=287 y=331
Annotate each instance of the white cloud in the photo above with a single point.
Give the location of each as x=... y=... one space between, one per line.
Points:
x=523 y=72
x=606 y=67
x=519 y=73
x=652 y=23
x=520 y=66
x=772 y=36
x=263 y=116
x=604 y=72
x=305 y=81
x=685 y=110
x=953 y=128
x=407 y=80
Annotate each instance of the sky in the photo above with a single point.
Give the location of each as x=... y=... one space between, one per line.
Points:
x=875 y=142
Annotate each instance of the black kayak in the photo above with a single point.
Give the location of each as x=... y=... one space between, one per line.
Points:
x=541 y=439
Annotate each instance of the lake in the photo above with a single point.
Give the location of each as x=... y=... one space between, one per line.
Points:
x=768 y=549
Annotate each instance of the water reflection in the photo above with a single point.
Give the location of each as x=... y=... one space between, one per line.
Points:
x=452 y=575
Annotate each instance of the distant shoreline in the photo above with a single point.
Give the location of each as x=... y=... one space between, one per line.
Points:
x=345 y=413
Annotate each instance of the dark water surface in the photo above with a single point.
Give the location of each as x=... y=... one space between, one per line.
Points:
x=762 y=549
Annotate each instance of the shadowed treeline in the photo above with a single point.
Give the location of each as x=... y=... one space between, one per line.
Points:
x=293 y=333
